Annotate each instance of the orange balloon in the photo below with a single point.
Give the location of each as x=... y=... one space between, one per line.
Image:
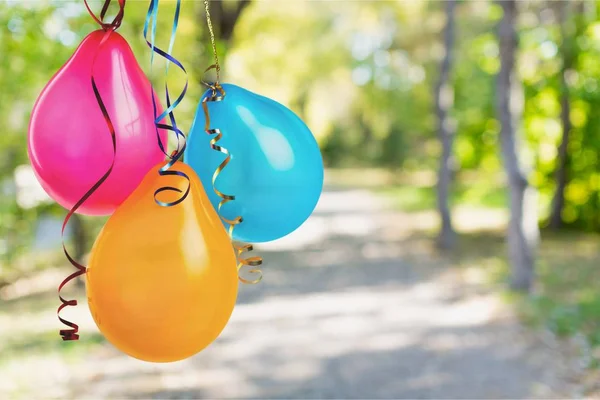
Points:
x=162 y=281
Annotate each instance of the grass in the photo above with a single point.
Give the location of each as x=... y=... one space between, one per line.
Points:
x=421 y=198
x=45 y=343
x=567 y=297
x=18 y=340
x=416 y=191
x=30 y=343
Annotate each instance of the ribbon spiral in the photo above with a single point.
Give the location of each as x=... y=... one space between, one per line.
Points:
x=72 y=332
x=151 y=21
x=218 y=94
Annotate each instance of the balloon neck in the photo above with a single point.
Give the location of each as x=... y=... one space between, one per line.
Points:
x=217 y=93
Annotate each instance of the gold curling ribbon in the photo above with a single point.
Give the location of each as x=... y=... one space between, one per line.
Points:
x=249 y=264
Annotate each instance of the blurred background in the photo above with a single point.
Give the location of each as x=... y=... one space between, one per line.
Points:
x=455 y=252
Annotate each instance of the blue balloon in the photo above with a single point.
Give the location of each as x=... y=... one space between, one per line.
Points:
x=276 y=168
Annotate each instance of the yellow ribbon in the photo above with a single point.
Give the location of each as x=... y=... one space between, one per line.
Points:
x=245 y=265
x=218 y=94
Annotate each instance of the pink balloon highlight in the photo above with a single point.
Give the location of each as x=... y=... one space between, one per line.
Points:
x=69 y=144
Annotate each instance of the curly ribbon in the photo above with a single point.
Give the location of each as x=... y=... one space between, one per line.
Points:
x=150 y=25
x=218 y=94
x=151 y=21
x=72 y=332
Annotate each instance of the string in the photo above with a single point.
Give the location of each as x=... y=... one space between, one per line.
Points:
x=72 y=332
x=213 y=42
x=248 y=265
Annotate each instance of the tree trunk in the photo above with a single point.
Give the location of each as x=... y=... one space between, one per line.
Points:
x=444 y=98
x=523 y=231
x=568 y=34
x=224 y=18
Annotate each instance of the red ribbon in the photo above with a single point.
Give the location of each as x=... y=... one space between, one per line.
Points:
x=116 y=22
x=72 y=332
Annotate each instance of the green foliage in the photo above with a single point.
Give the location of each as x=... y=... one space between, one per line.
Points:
x=545 y=50
x=23 y=43
x=360 y=73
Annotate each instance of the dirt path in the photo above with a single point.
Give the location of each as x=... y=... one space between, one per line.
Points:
x=353 y=305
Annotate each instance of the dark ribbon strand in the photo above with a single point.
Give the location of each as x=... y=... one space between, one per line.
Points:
x=72 y=332
x=115 y=23
x=150 y=24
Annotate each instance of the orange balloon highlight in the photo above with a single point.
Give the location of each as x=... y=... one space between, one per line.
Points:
x=162 y=281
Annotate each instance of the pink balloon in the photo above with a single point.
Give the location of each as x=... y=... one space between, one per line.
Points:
x=70 y=145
